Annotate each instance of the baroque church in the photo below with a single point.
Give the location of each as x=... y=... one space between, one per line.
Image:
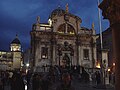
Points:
x=63 y=41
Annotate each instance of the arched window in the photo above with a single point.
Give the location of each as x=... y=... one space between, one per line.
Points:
x=44 y=53
x=66 y=28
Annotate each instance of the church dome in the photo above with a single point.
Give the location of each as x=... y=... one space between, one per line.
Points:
x=58 y=12
x=16 y=40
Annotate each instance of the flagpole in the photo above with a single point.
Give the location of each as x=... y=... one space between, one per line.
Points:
x=101 y=46
x=100 y=26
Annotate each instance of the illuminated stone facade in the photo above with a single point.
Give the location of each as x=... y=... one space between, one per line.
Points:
x=10 y=60
x=6 y=60
x=62 y=41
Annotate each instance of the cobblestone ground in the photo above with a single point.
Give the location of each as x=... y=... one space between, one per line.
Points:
x=90 y=86
x=78 y=86
x=86 y=86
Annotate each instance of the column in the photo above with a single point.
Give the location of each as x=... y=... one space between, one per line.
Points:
x=116 y=47
x=77 y=50
x=53 y=51
x=111 y=11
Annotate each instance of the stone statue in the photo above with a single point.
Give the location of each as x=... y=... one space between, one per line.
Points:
x=38 y=19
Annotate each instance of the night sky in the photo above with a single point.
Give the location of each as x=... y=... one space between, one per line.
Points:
x=17 y=17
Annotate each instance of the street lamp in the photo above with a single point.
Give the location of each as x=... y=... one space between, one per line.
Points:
x=113 y=64
x=108 y=70
x=27 y=64
x=98 y=65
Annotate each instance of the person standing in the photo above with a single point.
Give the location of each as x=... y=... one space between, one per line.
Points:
x=66 y=83
x=1 y=83
x=98 y=78
x=17 y=82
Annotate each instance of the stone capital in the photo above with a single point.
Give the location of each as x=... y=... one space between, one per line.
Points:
x=111 y=10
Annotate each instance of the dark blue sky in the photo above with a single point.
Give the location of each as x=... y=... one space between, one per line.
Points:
x=17 y=16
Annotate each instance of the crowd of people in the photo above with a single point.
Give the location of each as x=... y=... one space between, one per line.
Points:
x=11 y=80
x=62 y=76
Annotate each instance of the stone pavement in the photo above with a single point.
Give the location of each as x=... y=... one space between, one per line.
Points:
x=78 y=86
x=90 y=86
x=86 y=86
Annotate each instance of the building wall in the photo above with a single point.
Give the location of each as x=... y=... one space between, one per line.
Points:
x=107 y=44
x=6 y=60
x=10 y=60
x=51 y=38
x=27 y=56
x=17 y=58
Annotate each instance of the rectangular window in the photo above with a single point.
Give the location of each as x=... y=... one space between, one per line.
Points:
x=4 y=56
x=86 y=54
x=44 y=53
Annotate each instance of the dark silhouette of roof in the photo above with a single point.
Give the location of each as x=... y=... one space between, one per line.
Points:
x=16 y=41
x=58 y=11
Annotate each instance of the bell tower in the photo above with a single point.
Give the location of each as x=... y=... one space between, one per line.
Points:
x=15 y=48
x=15 y=44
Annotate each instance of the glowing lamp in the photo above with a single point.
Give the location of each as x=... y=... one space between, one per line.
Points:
x=27 y=64
x=98 y=65
x=113 y=64
x=108 y=69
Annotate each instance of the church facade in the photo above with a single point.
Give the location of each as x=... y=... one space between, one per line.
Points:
x=63 y=41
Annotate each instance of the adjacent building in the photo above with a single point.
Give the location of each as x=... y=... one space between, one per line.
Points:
x=107 y=46
x=11 y=60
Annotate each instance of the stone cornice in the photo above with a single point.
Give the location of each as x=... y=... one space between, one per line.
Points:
x=111 y=10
